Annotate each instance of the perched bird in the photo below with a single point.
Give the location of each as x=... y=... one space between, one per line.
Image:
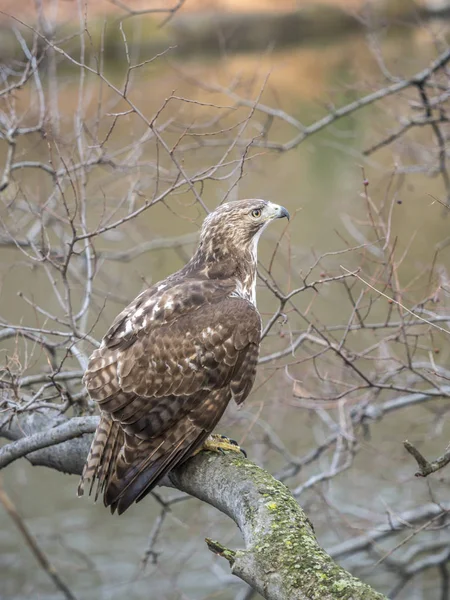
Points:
x=173 y=359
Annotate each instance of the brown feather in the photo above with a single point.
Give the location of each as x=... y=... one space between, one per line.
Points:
x=101 y=457
x=140 y=468
x=172 y=360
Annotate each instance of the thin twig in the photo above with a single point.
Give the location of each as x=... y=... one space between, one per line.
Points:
x=45 y=563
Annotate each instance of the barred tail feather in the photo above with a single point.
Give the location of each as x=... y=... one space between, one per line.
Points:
x=140 y=477
x=102 y=455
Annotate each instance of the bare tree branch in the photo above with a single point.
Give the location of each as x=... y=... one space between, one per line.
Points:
x=76 y=427
x=426 y=467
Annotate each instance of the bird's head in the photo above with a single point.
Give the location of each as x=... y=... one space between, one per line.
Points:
x=236 y=226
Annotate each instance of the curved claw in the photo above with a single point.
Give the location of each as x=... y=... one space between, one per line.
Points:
x=221 y=444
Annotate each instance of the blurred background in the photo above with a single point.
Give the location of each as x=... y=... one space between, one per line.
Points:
x=121 y=124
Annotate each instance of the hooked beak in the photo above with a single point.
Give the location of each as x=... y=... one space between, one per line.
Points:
x=278 y=212
x=283 y=213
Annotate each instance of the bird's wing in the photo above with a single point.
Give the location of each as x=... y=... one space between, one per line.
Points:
x=167 y=382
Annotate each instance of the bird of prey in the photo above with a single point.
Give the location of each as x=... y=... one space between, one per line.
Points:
x=173 y=359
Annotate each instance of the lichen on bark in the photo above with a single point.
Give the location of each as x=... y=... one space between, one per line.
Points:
x=282 y=558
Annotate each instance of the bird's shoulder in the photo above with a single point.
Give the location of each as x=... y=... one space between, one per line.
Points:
x=174 y=331
x=171 y=300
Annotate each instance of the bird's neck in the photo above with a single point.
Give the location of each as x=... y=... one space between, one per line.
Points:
x=246 y=281
x=238 y=267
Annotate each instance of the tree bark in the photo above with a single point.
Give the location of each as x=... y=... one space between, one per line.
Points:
x=281 y=560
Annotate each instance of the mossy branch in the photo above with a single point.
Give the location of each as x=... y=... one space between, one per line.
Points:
x=282 y=559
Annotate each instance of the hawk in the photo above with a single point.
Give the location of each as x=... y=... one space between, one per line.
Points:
x=174 y=358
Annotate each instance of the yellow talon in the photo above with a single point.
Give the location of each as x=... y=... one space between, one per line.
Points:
x=221 y=444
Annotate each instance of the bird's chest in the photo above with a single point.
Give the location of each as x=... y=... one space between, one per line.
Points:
x=246 y=289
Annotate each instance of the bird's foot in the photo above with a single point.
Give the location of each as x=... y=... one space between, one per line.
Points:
x=220 y=443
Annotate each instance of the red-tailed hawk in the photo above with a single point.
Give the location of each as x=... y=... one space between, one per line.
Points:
x=173 y=359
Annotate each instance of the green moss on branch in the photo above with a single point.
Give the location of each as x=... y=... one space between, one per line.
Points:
x=282 y=559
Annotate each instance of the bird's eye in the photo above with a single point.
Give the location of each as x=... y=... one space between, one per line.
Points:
x=256 y=213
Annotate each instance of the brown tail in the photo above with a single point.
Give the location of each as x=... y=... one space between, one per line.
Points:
x=126 y=468
x=102 y=456
x=139 y=469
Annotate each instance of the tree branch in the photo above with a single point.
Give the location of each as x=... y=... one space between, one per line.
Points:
x=45 y=439
x=426 y=467
x=281 y=560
